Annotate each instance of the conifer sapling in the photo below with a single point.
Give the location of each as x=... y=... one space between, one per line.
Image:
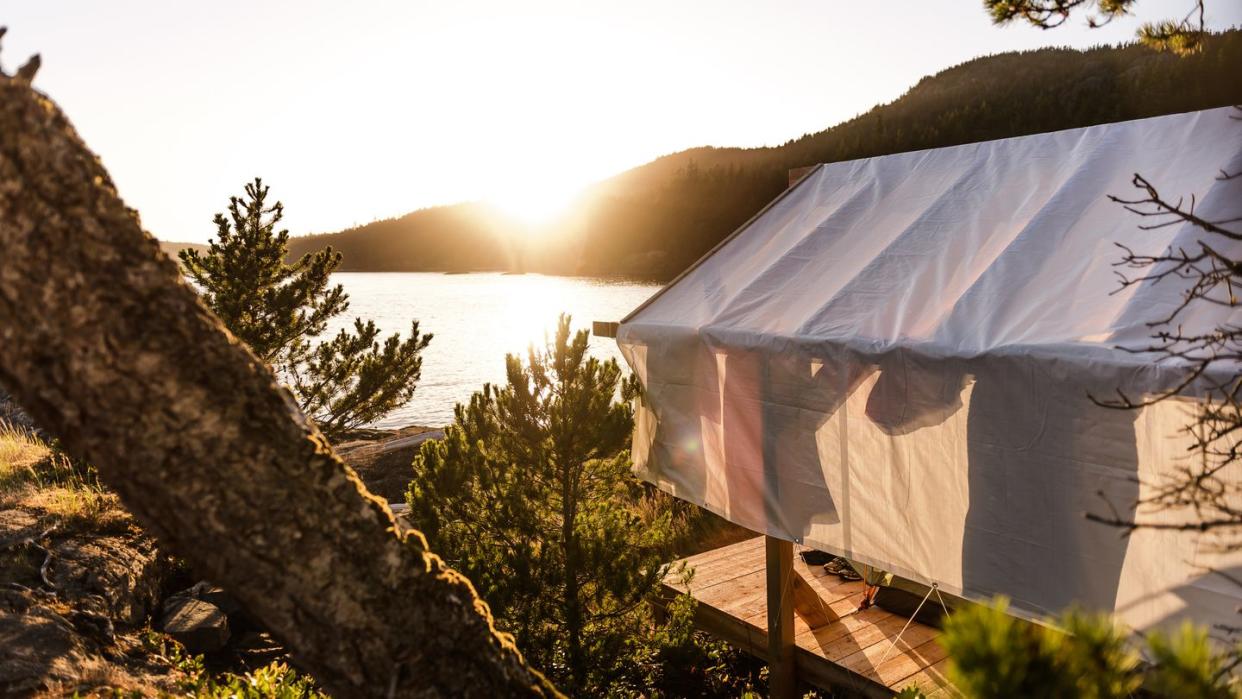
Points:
x=278 y=309
x=530 y=495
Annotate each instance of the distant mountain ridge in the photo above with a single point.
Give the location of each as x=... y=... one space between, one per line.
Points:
x=656 y=219
x=173 y=248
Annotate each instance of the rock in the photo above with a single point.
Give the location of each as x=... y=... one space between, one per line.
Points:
x=364 y=435
x=44 y=652
x=118 y=576
x=409 y=444
x=199 y=626
x=38 y=646
x=93 y=625
x=221 y=598
x=208 y=591
x=384 y=464
x=83 y=636
x=17 y=526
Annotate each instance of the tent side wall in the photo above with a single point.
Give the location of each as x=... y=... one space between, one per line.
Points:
x=892 y=362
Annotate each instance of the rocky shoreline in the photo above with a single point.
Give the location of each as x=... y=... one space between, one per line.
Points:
x=382 y=458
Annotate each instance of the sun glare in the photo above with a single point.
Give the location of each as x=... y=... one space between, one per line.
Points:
x=533 y=204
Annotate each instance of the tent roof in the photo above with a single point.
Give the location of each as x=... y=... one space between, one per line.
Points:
x=968 y=249
x=893 y=362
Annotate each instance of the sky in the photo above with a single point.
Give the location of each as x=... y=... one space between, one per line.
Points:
x=370 y=109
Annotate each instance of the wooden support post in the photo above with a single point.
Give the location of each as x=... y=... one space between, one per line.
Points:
x=782 y=678
x=808 y=605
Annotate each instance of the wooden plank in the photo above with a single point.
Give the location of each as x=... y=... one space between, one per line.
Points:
x=730 y=595
x=744 y=557
x=907 y=660
x=814 y=670
x=807 y=603
x=604 y=328
x=782 y=673
x=831 y=588
x=720 y=565
x=852 y=653
x=712 y=566
x=745 y=636
x=842 y=599
x=745 y=597
x=740 y=634
x=865 y=660
x=858 y=639
x=753 y=545
x=743 y=552
x=929 y=679
x=753 y=608
x=846 y=625
x=844 y=608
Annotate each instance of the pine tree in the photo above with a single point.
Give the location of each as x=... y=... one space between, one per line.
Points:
x=1180 y=36
x=278 y=309
x=530 y=495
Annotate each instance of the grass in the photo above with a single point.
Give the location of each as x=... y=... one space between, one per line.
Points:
x=79 y=508
x=34 y=475
x=21 y=454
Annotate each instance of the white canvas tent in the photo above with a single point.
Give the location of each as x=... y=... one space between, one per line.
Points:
x=892 y=362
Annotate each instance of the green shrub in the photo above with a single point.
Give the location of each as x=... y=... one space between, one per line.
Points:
x=530 y=495
x=994 y=654
x=272 y=681
x=276 y=680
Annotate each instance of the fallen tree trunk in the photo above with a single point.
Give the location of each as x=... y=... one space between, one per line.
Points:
x=109 y=350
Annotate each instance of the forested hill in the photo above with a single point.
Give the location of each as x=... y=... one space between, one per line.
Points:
x=656 y=219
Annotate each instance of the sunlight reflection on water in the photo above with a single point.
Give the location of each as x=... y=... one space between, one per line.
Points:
x=476 y=320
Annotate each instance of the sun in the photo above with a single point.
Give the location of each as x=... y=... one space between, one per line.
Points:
x=534 y=203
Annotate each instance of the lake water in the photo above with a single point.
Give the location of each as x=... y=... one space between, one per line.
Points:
x=476 y=320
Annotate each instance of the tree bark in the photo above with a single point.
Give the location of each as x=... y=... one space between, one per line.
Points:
x=109 y=350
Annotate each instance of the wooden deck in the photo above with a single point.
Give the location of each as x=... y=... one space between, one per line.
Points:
x=852 y=654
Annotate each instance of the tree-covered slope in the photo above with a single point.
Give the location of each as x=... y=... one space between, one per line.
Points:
x=656 y=219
